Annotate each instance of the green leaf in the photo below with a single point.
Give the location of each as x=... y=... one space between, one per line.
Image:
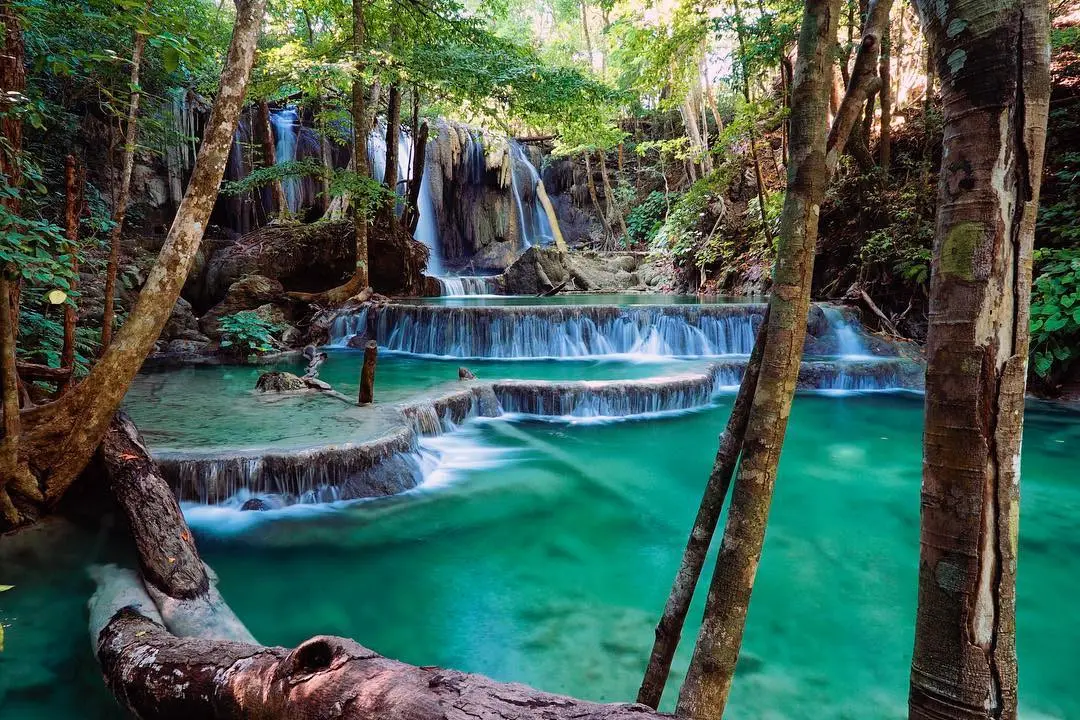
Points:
x=171 y=57
x=1042 y=365
x=5 y=588
x=1055 y=322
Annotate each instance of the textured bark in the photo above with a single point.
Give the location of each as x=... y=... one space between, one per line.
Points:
x=269 y=157
x=167 y=555
x=669 y=629
x=361 y=126
x=993 y=60
x=323 y=677
x=367 y=373
x=131 y=134
x=864 y=82
x=58 y=439
x=72 y=206
x=393 y=125
x=885 y=71
x=705 y=691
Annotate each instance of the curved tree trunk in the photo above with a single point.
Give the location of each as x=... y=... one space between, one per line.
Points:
x=131 y=134
x=708 y=682
x=412 y=211
x=992 y=58
x=58 y=439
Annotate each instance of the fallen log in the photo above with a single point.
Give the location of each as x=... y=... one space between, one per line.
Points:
x=215 y=674
x=35 y=371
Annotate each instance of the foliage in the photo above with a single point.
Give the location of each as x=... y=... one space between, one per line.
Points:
x=646 y=219
x=682 y=232
x=246 y=333
x=1055 y=311
x=1059 y=222
x=903 y=245
x=41 y=335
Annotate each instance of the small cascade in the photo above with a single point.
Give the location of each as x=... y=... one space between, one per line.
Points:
x=463 y=285
x=532 y=220
x=849 y=343
x=285 y=123
x=607 y=399
x=559 y=332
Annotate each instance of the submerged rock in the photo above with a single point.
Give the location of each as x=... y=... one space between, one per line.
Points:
x=263 y=503
x=279 y=381
x=465 y=373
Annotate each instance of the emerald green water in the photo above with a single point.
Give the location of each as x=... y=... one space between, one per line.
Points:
x=545 y=551
x=216 y=406
x=541 y=552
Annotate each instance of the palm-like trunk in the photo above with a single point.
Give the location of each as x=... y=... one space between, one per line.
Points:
x=58 y=439
x=992 y=58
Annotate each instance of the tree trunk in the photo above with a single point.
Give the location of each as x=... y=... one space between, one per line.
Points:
x=995 y=88
x=323 y=677
x=419 y=153
x=72 y=208
x=885 y=93
x=553 y=219
x=367 y=373
x=609 y=199
x=131 y=133
x=393 y=128
x=591 y=183
x=277 y=190
x=361 y=127
x=705 y=691
x=759 y=178
x=585 y=29
x=59 y=438
x=669 y=629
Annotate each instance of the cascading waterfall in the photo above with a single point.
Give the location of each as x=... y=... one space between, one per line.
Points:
x=568 y=331
x=533 y=221
x=467 y=285
x=285 y=123
x=849 y=343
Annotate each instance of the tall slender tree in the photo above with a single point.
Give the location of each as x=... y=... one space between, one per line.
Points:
x=992 y=57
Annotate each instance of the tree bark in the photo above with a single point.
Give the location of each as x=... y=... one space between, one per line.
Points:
x=131 y=134
x=323 y=677
x=419 y=154
x=72 y=207
x=705 y=691
x=669 y=629
x=993 y=61
x=885 y=93
x=759 y=178
x=591 y=183
x=393 y=125
x=553 y=219
x=864 y=80
x=361 y=127
x=609 y=199
x=277 y=190
x=58 y=439
x=367 y=373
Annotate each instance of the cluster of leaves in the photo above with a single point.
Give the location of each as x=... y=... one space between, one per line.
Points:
x=246 y=333
x=646 y=219
x=1055 y=311
x=903 y=245
x=683 y=232
x=1059 y=222
x=41 y=333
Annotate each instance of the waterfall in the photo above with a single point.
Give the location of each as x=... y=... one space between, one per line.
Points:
x=533 y=221
x=285 y=124
x=566 y=331
x=849 y=342
x=467 y=285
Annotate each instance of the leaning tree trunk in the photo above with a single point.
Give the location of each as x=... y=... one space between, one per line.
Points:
x=412 y=211
x=885 y=71
x=269 y=157
x=361 y=126
x=669 y=629
x=131 y=134
x=992 y=58
x=58 y=439
x=705 y=691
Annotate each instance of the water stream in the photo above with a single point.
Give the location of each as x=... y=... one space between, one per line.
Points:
x=286 y=123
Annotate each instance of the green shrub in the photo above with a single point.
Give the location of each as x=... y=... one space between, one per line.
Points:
x=645 y=220
x=1055 y=311
x=246 y=333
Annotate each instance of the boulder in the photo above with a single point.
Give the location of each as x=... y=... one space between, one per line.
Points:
x=315 y=257
x=541 y=269
x=187 y=348
x=465 y=373
x=181 y=320
x=279 y=381
x=250 y=292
